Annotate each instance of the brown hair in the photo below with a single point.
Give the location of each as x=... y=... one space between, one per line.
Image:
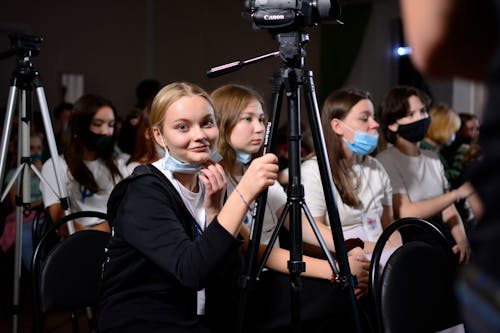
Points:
x=396 y=106
x=338 y=105
x=229 y=101
x=145 y=151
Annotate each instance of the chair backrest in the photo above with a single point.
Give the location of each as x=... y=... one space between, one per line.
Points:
x=413 y=292
x=324 y=307
x=68 y=277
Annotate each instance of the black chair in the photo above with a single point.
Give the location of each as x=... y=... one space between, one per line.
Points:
x=68 y=277
x=324 y=307
x=413 y=292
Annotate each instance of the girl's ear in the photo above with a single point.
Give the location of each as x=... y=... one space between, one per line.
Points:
x=337 y=126
x=158 y=137
x=393 y=127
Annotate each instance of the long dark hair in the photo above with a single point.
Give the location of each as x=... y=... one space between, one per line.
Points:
x=79 y=126
x=338 y=105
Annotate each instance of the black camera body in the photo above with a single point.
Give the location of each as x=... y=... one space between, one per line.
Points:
x=22 y=45
x=291 y=14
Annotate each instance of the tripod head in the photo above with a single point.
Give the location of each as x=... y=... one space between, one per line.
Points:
x=23 y=46
x=291 y=51
x=285 y=20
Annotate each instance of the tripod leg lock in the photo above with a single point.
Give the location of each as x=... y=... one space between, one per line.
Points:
x=345 y=282
x=296 y=267
x=243 y=281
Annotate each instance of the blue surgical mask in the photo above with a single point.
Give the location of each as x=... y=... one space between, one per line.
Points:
x=364 y=143
x=174 y=165
x=243 y=157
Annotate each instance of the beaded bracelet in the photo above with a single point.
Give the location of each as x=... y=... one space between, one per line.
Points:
x=243 y=199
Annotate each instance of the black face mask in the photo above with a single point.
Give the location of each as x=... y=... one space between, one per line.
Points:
x=416 y=131
x=467 y=140
x=102 y=144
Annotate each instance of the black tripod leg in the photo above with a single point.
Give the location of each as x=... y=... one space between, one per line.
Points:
x=248 y=279
x=296 y=265
x=320 y=239
x=346 y=279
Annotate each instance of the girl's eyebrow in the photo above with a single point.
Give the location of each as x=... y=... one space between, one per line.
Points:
x=419 y=110
x=251 y=113
x=366 y=113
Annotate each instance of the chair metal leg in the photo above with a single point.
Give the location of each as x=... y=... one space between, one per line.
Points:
x=74 y=321
x=92 y=320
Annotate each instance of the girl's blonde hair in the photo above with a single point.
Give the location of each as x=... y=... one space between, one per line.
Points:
x=445 y=122
x=170 y=94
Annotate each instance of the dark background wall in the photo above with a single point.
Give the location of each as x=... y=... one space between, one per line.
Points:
x=115 y=44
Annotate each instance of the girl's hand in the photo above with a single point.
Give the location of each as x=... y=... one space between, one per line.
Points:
x=261 y=173
x=463 y=249
x=464 y=191
x=214 y=179
x=360 y=267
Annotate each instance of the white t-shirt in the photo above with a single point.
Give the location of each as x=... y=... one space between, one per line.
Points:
x=419 y=177
x=276 y=198
x=80 y=198
x=192 y=200
x=131 y=166
x=194 y=203
x=374 y=191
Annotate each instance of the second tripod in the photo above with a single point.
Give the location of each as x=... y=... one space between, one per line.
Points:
x=24 y=80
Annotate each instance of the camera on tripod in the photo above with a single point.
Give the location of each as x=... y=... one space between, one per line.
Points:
x=22 y=45
x=290 y=14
